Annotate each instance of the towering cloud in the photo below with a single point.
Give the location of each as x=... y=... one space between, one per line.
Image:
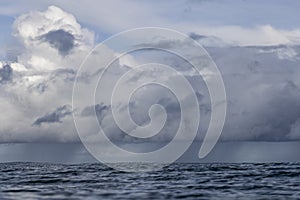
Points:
x=49 y=39
x=37 y=89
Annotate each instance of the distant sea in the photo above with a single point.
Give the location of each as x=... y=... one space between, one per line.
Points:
x=176 y=181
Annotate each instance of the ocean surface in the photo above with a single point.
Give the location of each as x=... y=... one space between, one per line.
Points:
x=177 y=181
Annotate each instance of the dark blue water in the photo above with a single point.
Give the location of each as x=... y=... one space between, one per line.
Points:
x=182 y=181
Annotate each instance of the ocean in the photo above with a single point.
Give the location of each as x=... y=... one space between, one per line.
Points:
x=22 y=180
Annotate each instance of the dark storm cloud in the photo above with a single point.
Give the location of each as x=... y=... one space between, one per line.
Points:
x=6 y=73
x=60 y=39
x=262 y=92
x=272 y=120
x=55 y=116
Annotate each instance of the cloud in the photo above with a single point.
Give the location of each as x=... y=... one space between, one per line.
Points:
x=100 y=110
x=262 y=92
x=261 y=35
x=42 y=78
x=209 y=41
x=248 y=22
x=62 y=40
x=196 y=36
x=49 y=38
x=295 y=130
x=261 y=80
x=55 y=116
x=6 y=73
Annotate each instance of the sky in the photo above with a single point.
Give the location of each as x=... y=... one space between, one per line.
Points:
x=254 y=44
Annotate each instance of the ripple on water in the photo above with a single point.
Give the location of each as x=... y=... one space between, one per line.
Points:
x=187 y=181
